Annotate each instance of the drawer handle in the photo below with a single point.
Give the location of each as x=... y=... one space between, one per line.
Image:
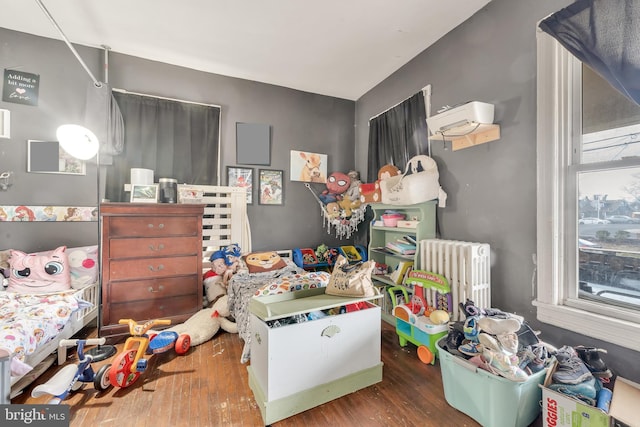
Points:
x=330 y=331
x=161 y=226
x=156 y=269
x=160 y=288
x=161 y=307
x=157 y=248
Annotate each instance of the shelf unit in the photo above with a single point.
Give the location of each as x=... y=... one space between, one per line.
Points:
x=425 y=214
x=485 y=132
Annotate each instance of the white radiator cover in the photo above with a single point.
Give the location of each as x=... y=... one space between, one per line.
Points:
x=467 y=267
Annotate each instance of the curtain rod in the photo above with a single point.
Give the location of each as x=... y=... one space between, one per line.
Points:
x=165 y=98
x=66 y=40
x=393 y=106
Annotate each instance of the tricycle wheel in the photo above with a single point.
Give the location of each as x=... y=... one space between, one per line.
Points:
x=183 y=343
x=120 y=374
x=101 y=381
x=77 y=385
x=425 y=355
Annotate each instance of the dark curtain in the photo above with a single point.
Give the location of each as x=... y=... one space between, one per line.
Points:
x=605 y=35
x=174 y=139
x=397 y=135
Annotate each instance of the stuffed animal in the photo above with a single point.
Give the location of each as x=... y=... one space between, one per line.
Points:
x=347 y=205
x=353 y=192
x=337 y=184
x=203 y=325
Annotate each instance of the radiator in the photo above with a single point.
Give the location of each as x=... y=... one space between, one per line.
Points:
x=466 y=266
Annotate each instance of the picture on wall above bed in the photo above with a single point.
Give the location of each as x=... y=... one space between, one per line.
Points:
x=308 y=167
x=271 y=189
x=49 y=157
x=243 y=178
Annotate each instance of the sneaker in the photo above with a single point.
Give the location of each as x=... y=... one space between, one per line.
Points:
x=501 y=365
x=471 y=348
x=453 y=341
x=532 y=358
x=471 y=328
x=591 y=358
x=495 y=326
x=585 y=391
x=490 y=342
x=571 y=369
x=509 y=342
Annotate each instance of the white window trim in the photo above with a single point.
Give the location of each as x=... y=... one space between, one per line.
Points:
x=557 y=118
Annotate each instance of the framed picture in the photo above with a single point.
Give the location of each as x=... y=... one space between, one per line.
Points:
x=241 y=177
x=49 y=157
x=308 y=167
x=253 y=144
x=147 y=193
x=271 y=189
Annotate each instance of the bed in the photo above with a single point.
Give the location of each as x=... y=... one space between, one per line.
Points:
x=32 y=325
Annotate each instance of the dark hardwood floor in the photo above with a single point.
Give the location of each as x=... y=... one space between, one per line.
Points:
x=209 y=387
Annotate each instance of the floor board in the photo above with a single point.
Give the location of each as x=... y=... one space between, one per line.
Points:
x=209 y=387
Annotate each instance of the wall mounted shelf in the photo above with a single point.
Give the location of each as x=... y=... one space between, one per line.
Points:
x=484 y=133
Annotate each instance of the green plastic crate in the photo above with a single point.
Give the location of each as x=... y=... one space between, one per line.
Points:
x=491 y=400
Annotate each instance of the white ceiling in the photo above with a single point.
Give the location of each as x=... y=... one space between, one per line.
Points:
x=339 y=48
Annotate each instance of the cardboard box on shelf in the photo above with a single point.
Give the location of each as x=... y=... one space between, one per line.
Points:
x=562 y=410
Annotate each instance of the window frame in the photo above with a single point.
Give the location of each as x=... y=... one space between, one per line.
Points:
x=558 y=124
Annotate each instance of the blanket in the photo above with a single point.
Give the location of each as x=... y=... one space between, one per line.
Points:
x=30 y=320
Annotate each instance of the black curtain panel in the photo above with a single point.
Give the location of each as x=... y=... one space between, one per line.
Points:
x=605 y=35
x=397 y=135
x=175 y=139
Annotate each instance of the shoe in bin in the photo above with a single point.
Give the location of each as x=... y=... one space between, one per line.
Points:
x=500 y=364
x=571 y=369
x=591 y=358
x=585 y=391
x=471 y=348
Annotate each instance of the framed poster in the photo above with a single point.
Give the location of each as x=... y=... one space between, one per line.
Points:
x=271 y=191
x=308 y=167
x=49 y=157
x=241 y=177
x=253 y=144
x=144 y=193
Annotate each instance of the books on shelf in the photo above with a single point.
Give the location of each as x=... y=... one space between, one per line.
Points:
x=402 y=270
x=401 y=247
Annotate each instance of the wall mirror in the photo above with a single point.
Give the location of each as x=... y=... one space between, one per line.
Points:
x=49 y=157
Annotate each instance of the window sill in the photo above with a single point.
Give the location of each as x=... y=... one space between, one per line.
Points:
x=619 y=332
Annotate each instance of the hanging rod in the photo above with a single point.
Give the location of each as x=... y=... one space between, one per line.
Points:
x=165 y=98
x=428 y=87
x=73 y=50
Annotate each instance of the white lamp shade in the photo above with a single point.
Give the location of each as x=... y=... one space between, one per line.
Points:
x=78 y=141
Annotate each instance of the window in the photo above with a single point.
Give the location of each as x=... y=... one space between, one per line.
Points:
x=588 y=219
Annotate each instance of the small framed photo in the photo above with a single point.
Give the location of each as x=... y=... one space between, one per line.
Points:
x=241 y=177
x=271 y=190
x=147 y=193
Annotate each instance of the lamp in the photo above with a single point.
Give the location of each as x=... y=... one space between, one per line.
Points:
x=83 y=144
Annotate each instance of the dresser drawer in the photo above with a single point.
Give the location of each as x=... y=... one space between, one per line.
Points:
x=153 y=247
x=153 y=226
x=144 y=268
x=153 y=309
x=156 y=288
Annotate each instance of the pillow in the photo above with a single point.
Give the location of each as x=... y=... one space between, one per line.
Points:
x=83 y=265
x=259 y=262
x=39 y=273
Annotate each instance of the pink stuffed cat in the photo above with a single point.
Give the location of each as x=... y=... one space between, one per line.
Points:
x=33 y=273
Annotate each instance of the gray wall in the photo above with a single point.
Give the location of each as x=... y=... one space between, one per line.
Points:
x=299 y=120
x=491 y=187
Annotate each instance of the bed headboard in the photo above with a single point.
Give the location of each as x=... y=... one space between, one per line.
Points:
x=225 y=219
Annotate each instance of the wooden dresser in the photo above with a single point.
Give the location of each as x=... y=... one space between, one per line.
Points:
x=151 y=263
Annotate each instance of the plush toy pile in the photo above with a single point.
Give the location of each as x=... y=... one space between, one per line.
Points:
x=224 y=265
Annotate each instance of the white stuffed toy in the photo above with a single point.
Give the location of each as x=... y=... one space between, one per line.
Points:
x=203 y=325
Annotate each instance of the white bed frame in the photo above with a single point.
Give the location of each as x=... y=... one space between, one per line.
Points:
x=224 y=222
x=42 y=358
